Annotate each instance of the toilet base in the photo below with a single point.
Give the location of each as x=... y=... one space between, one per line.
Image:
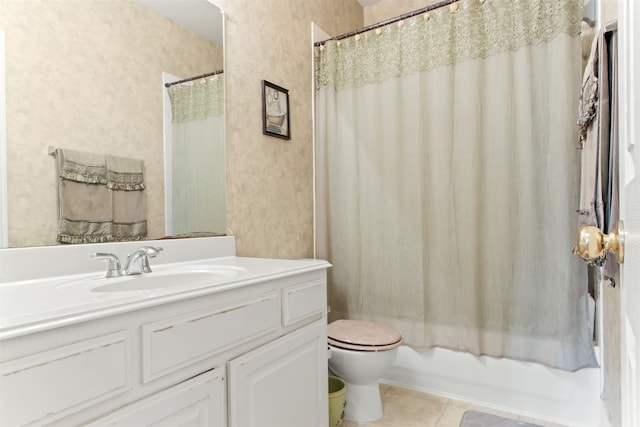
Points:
x=363 y=403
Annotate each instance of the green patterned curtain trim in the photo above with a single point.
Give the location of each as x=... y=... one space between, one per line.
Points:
x=197 y=100
x=469 y=29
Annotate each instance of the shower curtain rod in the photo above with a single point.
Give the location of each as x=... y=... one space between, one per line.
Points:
x=389 y=21
x=194 y=78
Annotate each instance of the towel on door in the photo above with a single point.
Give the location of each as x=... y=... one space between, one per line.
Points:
x=599 y=204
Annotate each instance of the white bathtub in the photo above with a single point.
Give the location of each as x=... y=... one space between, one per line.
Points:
x=523 y=388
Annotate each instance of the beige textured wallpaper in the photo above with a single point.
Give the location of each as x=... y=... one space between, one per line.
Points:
x=87 y=74
x=270 y=181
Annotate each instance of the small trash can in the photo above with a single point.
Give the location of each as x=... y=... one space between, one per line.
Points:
x=337 y=400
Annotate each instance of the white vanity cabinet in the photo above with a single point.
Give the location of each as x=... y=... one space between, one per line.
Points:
x=254 y=354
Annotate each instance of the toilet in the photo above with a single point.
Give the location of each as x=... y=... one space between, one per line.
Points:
x=360 y=353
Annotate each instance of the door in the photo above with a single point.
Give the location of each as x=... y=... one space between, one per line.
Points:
x=283 y=383
x=629 y=60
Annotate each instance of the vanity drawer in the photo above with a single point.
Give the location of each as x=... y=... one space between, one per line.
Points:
x=172 y=344
x=304 y=300
x=46 y=386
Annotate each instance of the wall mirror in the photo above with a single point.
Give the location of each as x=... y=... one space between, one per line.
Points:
x=90 y=76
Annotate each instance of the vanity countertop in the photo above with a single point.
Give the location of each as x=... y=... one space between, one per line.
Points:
x=29 y=306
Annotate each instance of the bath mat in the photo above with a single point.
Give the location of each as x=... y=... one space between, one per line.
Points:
x=481 y=419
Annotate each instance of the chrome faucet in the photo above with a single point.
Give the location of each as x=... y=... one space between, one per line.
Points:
x=138 y=262
x=114 y=269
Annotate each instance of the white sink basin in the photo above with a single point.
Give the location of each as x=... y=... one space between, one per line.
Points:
x=187 y=276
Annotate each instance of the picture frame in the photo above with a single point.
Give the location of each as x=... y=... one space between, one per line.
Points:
x=275 y=111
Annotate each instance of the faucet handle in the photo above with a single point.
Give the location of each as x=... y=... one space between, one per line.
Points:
x=114 y=269
x=152 y=251
x=142 y=256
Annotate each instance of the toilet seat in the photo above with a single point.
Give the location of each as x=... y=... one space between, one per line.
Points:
x=361 y=335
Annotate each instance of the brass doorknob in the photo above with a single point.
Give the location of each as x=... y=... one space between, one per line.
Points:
x=593 y=243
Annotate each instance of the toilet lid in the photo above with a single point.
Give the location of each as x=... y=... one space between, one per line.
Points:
x=362 y=335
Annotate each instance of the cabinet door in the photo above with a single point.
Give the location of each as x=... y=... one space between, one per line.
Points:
x=282 y=384
x=198 y=402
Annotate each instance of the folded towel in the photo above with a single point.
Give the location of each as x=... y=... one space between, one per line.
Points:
x=129 y=215
x=125 y=179
x=85 y=213
x=85 y=203
x=81 y=167
x=101 y=198
x=124 y=174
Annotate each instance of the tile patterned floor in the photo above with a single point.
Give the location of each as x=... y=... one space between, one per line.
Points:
x=409 y=408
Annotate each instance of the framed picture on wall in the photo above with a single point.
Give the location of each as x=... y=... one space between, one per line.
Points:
x=275 y=111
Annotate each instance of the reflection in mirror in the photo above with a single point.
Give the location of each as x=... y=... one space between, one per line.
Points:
x=194 y=186
x=88 y=76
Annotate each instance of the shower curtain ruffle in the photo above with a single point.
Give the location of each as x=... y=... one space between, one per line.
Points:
x=475 y=30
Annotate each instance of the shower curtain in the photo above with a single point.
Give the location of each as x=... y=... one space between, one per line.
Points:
x=447 y=179
x=198 y=204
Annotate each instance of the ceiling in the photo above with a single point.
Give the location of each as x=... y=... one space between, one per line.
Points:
x=199 y=16
x=366 y=3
